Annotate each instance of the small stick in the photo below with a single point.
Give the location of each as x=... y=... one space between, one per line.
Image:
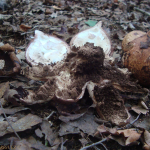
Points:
x=131 y=124
x=11 y=144
x=50 y=115
x=142 y=11
x=94 y=144
x=9 y=122
x=62 y=143
x=104 y=146
x=135 y=119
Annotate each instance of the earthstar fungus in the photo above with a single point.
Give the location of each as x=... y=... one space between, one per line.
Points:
x=71 y=72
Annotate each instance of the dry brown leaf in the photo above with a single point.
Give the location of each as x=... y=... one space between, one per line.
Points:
x=50 y=135
x=131 y=135
x=16 y=62
x=71 y=117
x=56 y=7
x=25 y=123
x=3 y=127
x=7 y=48
x=146 y=140
x=106 y=130
x=140 y=108
x=28 y=144
x=12 y=110
x=85 y=123
x=24 y=28
x=146 y=147
x=48 y=11
x=3 y=89
x=38 y=132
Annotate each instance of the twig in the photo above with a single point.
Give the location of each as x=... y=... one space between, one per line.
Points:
x=142 y=11
x=9 y=122
x=91 y=141
x=94 y=144
x=104 y=146
x=62 y=143
x=50 y=115
x=131 y=124
x=26 y=32
x=135 y=119
x=11 y=144
x=32 y=87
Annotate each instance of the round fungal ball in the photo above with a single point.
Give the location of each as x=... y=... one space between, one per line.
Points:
x=137 y=55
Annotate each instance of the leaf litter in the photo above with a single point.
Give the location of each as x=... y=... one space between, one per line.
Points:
x=115 y=97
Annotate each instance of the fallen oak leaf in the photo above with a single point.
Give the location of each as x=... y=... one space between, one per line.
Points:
x=7 y=48
x=15 y=61
x=3 y=128
x=28 y=144
x=11 y=52
x=56 y=7
x=39 y=133
x=71 y=117
x=124 y=137
x=50 y=134
x=3 y=89
x=15 y=95
x=25 y=123
x=146 y=139
x=12 y=110
x=22 y=124
x=85 y=123
x=131 y=135
x=24 y=28
x=105 y=130
x=140 y=108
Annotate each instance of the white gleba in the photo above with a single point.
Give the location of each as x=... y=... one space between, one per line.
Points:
x=46 y=49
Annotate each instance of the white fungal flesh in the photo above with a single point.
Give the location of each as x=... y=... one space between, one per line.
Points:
x=46 y=49
x=94 y=35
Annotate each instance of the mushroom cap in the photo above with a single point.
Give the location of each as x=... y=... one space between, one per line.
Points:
x=130 y=37
x=46 y=49
x=137 y=59
x=94 y=35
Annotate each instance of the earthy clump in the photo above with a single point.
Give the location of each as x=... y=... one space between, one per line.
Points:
x=88 y=59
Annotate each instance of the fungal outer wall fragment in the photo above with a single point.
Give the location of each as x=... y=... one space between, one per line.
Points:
x=95 y=35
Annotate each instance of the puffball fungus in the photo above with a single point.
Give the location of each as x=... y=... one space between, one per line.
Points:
x=130 y=37
x=94 y=35
x=46 y=49
x=137 y=55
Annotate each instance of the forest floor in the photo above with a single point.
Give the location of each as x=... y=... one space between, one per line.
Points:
x=49 y=124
